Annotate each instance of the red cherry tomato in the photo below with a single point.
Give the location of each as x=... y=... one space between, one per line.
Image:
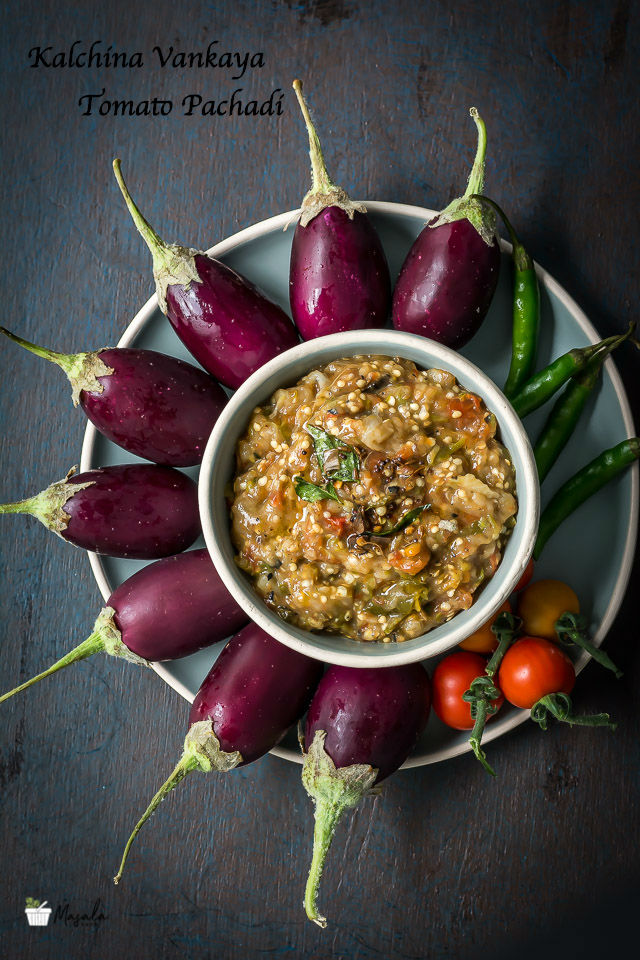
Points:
x=532 y=668
x=526 y=576
x=451 y=678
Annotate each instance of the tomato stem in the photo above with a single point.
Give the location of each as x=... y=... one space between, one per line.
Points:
x=476 y=736
x=559 y=706
x=506 y=629
x=572 y=628
x=483 y=691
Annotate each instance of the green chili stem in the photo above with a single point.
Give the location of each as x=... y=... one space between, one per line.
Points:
x=539 y=388
x=521 y=258
x=566 y=412
x=583 y=485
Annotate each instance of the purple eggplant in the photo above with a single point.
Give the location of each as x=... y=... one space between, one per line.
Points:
x=339 y=276
x=227 y=324
x=255 y=691
x=136 y=511
x=450 y=274
x=361 y=726
x=158 y=407
x=167 y=610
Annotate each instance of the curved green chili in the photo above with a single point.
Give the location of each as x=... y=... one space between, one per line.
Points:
x=526 y=310
x=541 y=387
x=583 y=485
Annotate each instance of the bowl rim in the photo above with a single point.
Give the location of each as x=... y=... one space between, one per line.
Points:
x=279 y=222
x=348 y=343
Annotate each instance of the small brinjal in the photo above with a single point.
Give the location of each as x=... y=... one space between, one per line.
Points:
x=167 y=610
x=338 y=276
x=255 y=691
x=137 y=511
x=228 y=325
x=450 y=274
x=158 y=407
x=361 y=726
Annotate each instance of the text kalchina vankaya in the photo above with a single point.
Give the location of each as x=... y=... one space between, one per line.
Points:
x=97 y=56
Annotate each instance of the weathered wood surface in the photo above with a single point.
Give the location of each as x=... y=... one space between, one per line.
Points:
x=446 y=863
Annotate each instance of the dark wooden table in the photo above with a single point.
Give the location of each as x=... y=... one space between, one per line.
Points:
x=445 y=863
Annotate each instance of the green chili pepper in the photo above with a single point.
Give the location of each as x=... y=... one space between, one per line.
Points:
x=583 y=485
x=539 y=388
x=526 y=310
x=565 y=414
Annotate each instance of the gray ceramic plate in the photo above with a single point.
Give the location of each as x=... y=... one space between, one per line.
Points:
x=595 y=549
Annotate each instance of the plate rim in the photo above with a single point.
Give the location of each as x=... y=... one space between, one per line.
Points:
x=283 y=221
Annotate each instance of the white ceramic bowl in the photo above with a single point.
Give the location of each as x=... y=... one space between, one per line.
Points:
x=218 y=467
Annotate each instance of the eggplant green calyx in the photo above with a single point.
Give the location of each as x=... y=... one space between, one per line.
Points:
x=172 y=263
x=202 y=751
x=324 y=192
x=48 y=506
x=559 y=706
x=469 y=206
x=571 y=628
x=333 y=791
x=106 y=638
x=82 y=369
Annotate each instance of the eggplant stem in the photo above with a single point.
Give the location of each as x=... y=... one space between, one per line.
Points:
x=155 y=243
x=20 y=506
x=185 y=765
x=322 y=183
x=61 y=359
x=202 y=751
x=476 y=177
x=93 y=644
x=327 y=816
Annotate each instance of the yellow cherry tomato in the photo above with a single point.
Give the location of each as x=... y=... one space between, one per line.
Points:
x=542 y=603
x=484 y=639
